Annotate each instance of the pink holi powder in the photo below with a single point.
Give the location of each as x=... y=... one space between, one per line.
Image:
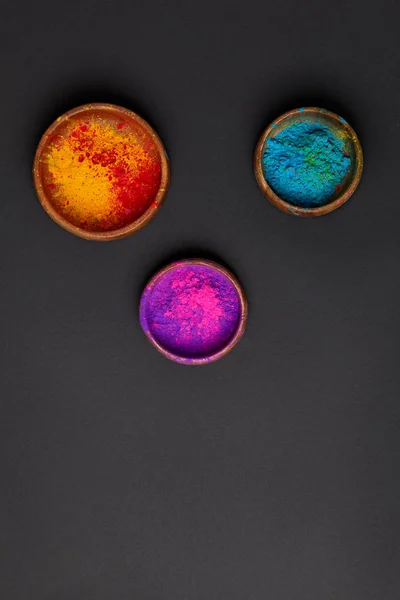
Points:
x=193 y=310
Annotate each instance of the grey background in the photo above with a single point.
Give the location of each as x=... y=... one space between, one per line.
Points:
x=273 y=473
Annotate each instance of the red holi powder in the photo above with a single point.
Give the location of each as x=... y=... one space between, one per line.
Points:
x=119 y=167
x=134 y=193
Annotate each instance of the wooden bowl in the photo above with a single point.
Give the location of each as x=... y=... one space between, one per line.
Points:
x=352 y=148
x=170 y=344
x=114 y=116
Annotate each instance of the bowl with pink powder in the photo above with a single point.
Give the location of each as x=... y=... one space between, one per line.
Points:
x=193 y=311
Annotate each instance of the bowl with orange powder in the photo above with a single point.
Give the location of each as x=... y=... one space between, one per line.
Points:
x=101 y=172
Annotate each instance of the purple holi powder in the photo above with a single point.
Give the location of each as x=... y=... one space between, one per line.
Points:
x=193 y=311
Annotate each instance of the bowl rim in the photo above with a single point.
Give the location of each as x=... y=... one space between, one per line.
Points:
x=122 y=232
x=292 y=208
x=172 y=355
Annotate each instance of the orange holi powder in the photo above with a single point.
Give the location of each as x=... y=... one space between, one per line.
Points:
x=101 y=174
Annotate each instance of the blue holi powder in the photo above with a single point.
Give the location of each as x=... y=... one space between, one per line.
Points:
x=305 y=163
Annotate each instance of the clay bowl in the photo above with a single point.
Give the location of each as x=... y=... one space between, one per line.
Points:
x=120 y=119
x=178 y=342
x=352 y=149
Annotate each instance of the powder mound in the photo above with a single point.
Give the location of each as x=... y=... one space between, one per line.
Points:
x=193 y=311
x=305 y=163
x=102 y=174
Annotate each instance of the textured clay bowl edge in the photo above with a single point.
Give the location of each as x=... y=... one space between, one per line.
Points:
x=298 y=210
x=242 y=319
x=102 y=236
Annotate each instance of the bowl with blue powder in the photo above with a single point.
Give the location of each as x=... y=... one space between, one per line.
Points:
x=308 y=162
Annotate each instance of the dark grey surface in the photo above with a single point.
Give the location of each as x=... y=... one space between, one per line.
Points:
x=274 y=473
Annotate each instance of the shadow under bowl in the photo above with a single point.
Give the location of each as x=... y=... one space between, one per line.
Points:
x=193 y=311
x=351 y=146
x=118 y=123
